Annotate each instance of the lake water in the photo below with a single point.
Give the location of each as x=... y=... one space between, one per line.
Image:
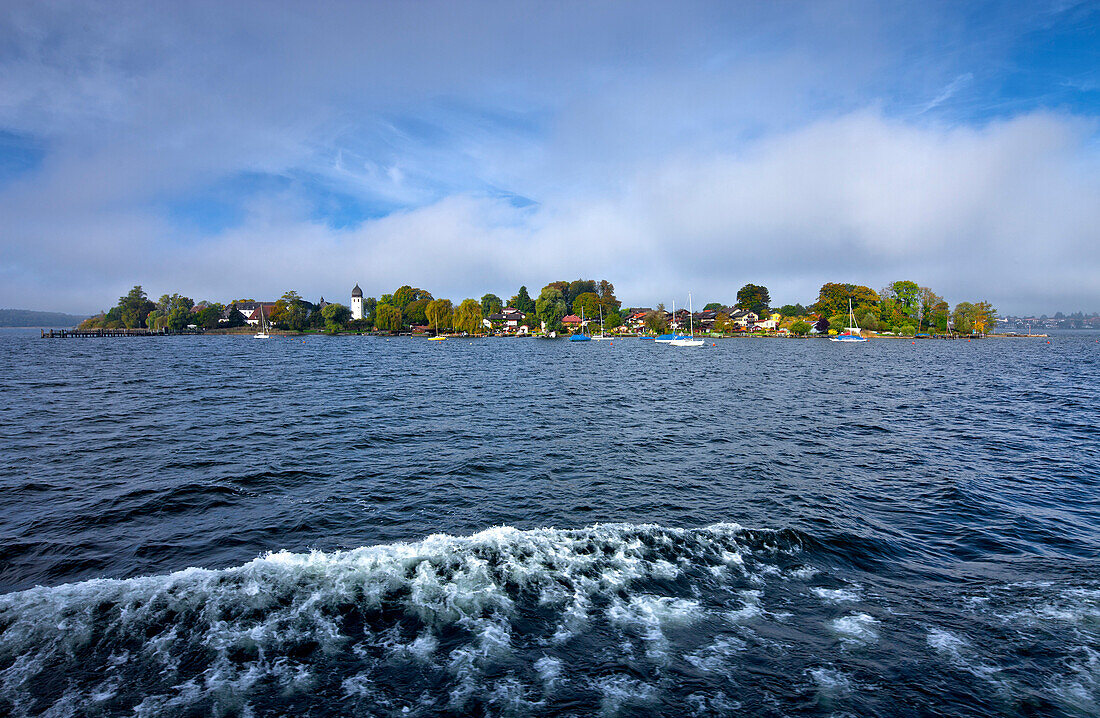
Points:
x=362 y=526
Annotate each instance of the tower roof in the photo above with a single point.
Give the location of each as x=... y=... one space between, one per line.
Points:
x=357 y=292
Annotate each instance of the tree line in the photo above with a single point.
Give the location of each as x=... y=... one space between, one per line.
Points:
x=903 y=307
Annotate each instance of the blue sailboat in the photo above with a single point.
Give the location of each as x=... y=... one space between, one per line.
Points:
x=674 y=336
x=582 y=337
x=851 y=333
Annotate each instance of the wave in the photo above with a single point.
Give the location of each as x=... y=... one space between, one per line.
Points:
x=286 y=622
x=607 y=619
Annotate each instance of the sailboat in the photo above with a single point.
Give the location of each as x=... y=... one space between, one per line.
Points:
x=438 y=337
x=673 y=336
x=602 y=336
x=582 y=337
x=262 y=334
x=689 y=341
x=851 y=332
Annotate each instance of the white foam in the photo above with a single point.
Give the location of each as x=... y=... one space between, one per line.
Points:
x=715 y=657
x=548 y=669
x=252 y=617
x=945 y=641
x=838 y=595
x=855 y=628
x=649 y=616
x=831 y=681
x=619 y=692
x=960 y=654
x=750 y=607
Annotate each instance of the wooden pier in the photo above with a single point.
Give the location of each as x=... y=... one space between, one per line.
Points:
x=92 y=333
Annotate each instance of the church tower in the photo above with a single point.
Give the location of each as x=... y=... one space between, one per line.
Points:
x=357 y=303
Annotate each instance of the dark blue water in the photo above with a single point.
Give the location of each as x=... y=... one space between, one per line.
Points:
x=356 y=526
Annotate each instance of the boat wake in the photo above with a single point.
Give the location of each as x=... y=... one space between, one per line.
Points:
x=607 y=619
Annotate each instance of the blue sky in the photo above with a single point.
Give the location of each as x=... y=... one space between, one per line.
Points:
x=243 y=149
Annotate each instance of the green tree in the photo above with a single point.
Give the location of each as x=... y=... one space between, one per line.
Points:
x=550 y=307
x=907 y=296
x=800 y=328
x=414 y=312
x=793 y=310
x=712 y=305
x=578 y=287
x=656 y=320
x=155 y=320
x=522 y=301
x=236 y=319
x=753 y=298
x=833 y=299
x=179 y=318
x=467 y=316
x=296 y=317
x=490 y=304
x=387 y=318
x=439 y=314
x=406 y=295
x=613 y=319
x=941 y=311
x=606 y=291
x=113 y=319
x=336 y=316
x=963 y=317
x=369 y=305
x=589 y=303
x=208 y=317
x=134 y=307
x=927 y=302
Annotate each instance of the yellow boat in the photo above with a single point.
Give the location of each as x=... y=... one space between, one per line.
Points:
x=436 y=339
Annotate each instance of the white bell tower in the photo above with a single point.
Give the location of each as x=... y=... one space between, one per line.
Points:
x=357 y=303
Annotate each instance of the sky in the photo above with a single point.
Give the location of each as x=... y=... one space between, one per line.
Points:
x=243 y=149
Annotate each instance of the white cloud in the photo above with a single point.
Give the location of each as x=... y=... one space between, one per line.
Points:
x=1006 y=213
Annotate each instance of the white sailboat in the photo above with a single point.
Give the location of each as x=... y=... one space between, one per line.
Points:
x=262 y=334
x=690 y=340
x=602 y=336
x=852 y=331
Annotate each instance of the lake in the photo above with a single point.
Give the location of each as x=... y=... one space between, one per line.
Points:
x=362 y=526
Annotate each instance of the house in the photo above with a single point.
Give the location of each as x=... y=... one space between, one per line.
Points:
x=571 y=320
x=743 y=318
x=508 y=320
x=249 y=310
x=513 y=319
x=705 y=319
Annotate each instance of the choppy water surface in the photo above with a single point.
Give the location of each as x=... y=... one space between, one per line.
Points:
x=355 y=526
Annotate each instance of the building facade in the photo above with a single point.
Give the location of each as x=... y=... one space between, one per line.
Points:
x=357 y=303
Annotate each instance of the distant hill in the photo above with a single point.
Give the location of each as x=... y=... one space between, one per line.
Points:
x=29 y=318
